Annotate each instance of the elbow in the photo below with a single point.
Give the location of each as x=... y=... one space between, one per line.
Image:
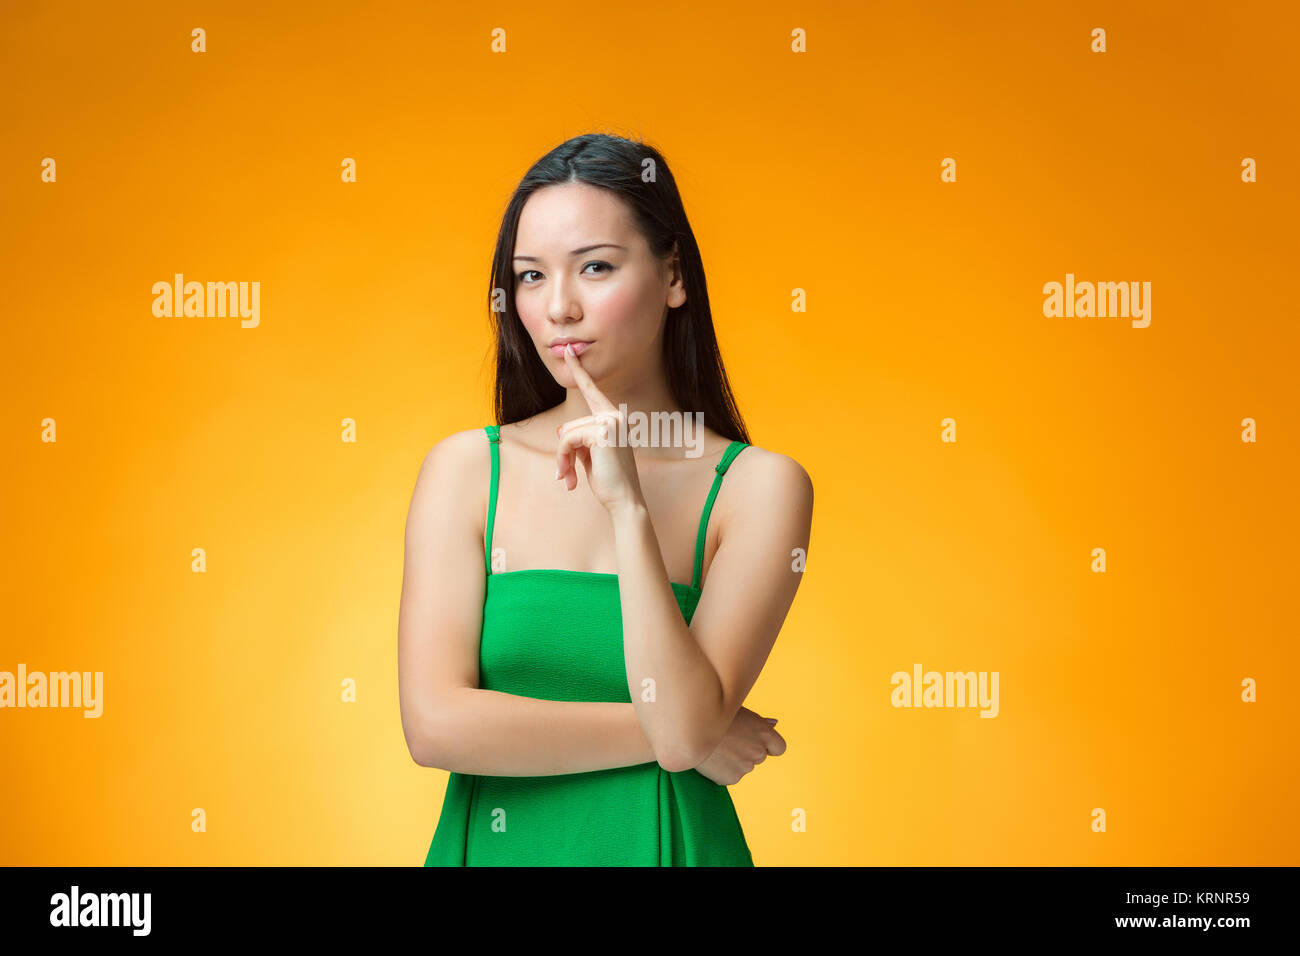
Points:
x=425 y=743
x=421 y=750
x=687 y=754
x=680 y=756
x=419 y=755
x=677 y=762
x=424 y=753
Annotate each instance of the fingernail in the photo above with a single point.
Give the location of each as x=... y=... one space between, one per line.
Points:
x=770 y=720
x=568 y=349
x=557 y=472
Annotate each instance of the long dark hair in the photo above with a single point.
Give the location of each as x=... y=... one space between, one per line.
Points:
x=692 y=361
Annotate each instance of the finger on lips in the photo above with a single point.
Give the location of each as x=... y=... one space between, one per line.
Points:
x=598 y=403
x=588 y=387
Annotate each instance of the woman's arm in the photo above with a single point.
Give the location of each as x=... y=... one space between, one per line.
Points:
x=447 y=720
x=701 y=674
x=687 y=683
x=503 y=735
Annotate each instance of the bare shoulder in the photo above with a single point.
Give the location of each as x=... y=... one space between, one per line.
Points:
x=457 y=451
x=455 y=472
x=763 y=482
x=764 y=472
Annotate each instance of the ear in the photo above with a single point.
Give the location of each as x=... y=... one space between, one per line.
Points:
x=676 y=280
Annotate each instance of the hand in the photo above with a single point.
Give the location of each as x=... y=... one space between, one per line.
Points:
x=748 y=741
x=593 y=440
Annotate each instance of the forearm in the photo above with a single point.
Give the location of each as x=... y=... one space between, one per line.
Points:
x=686 y=712
x=488 y=733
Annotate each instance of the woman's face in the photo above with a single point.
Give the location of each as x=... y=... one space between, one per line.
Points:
x=583 y=271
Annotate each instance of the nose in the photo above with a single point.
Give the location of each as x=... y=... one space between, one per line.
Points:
x=563 y=307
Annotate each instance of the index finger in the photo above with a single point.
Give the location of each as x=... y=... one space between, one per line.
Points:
x=596 y=400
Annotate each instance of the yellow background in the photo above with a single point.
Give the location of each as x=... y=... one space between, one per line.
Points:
x=817 y=171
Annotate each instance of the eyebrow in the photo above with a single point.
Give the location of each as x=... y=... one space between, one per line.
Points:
x=578 y=252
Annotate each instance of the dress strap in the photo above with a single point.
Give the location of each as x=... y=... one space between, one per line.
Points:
x=728 y=457
x=494 y=439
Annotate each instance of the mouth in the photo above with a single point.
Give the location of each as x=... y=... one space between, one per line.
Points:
x=578 y=348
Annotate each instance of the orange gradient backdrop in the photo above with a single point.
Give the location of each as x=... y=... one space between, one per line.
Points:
x=817 y=171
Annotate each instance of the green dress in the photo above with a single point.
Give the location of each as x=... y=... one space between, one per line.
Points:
x=640 y=815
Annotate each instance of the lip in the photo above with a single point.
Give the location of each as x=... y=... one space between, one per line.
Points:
x=557 y=347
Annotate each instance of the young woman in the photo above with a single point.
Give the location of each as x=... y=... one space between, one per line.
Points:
x=576 y=649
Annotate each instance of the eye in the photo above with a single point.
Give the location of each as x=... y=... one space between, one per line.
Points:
x=522 y=276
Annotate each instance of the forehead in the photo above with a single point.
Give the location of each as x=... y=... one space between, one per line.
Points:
x=569 y=215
